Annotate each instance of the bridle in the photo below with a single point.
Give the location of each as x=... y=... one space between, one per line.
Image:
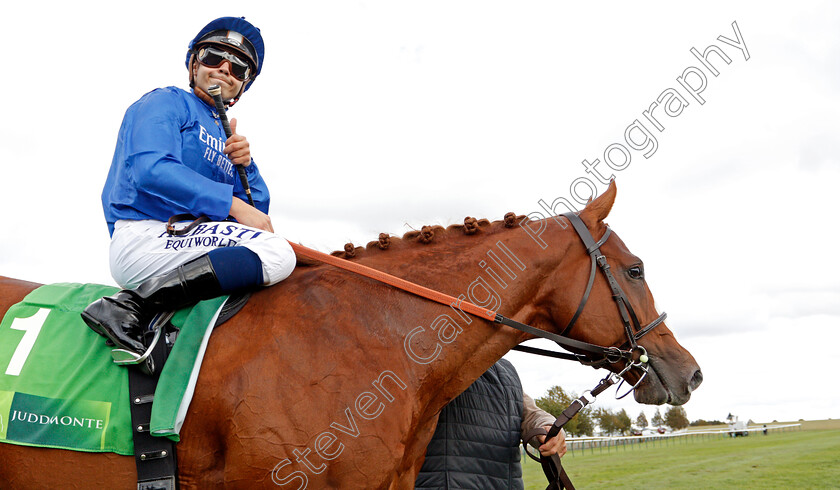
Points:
x=552 y=466
x=633 y=330
x=594 y=355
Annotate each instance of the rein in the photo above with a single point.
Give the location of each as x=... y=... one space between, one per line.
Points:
x=595 y=355
x=466 y=306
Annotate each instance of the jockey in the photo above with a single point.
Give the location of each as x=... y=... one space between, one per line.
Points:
x=173 y=157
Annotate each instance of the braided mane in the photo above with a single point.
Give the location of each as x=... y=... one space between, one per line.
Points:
x=426 y=235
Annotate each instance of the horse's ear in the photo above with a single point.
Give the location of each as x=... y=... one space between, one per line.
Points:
x=595 y=211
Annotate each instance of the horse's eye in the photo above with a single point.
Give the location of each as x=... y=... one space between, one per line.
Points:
x=636 y=272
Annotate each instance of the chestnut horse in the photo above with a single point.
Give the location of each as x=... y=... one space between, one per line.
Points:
x=333 y=380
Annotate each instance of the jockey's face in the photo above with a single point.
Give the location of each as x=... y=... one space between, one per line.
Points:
x=205 y=76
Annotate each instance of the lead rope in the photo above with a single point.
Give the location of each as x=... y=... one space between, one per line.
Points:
x=557 y=477
x=551 y=465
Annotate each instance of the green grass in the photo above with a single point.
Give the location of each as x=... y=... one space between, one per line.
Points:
x=793 y=459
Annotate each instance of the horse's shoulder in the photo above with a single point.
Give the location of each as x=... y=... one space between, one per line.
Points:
x=12 y=283
x=13 y=291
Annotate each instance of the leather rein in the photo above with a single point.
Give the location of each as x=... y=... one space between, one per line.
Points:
x=593 y=355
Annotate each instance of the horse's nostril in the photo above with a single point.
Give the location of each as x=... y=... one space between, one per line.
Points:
x=696 y=380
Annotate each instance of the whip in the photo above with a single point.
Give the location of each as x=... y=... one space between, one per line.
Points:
x=216 y=92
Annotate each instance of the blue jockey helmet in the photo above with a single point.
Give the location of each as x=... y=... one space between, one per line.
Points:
x=233 y=33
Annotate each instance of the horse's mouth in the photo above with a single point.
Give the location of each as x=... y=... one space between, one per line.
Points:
x=659 y=387
x=651 y=391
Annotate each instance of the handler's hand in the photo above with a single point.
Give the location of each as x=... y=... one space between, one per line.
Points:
x=249 y=215
x=557 y=444
x=237 y=147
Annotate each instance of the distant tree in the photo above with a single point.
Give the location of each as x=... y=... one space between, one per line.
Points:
x=657 y=420
x=676 y=418
x=585 y=426
x=701 y=422
x=556 y=400
x=607 y=420
x=641 y=420
x=623 y=423
x=612 y=422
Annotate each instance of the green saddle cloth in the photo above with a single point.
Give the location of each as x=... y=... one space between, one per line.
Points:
x=59 y=387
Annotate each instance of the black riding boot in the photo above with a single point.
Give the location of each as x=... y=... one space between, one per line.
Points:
x=123 y=316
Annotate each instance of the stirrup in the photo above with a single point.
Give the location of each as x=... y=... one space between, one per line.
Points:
x=125 y=357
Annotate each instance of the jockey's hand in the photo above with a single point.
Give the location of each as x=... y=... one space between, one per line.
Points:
x=249 y=215
x=557 y=444
x=237 y=147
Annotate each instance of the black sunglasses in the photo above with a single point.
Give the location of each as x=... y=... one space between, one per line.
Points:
x=212 y=58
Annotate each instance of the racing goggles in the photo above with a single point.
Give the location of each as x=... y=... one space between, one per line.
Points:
x=212 y=58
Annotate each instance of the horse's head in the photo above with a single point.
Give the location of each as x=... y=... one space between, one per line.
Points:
x=673 y=373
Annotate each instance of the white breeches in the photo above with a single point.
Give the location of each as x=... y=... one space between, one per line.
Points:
x=143 y=249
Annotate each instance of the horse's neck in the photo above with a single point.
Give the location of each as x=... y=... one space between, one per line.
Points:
x=493 y=268
x=502 y=270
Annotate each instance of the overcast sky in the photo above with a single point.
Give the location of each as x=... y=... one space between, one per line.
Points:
x=385 y=116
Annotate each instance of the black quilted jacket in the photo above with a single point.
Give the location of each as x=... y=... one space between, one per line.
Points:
x=476 y=443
